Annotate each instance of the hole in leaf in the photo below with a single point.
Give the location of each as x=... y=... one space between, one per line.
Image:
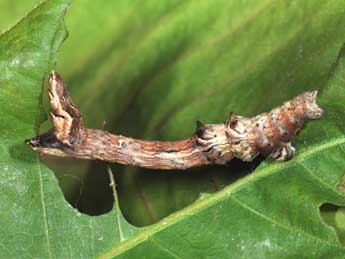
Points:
x=145 y=196
x=85 y=184
x=334 y=216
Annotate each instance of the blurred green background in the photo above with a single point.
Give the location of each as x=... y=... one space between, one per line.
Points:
x=151 y=68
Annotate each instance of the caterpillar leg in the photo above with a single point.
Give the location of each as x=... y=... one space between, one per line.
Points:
x=284 y=152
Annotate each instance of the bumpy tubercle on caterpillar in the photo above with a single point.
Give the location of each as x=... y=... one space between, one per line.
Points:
x=268 y=133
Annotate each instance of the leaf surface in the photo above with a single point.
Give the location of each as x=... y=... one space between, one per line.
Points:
x=37 y=222
x=264 y=53
x=155 y=68
x=272 y=213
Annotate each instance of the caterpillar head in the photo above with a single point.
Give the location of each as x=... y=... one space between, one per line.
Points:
x=313 y=110
x=306 y=105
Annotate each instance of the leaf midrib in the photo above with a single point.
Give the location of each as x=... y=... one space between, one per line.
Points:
x=221 y=195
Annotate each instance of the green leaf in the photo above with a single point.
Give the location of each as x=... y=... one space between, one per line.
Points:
x=335 y=216
x=155 y=67
x=36 y=220
x=169 y=63
x=12 y=11
x=274 y=212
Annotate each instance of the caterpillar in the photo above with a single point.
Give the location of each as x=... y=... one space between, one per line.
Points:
x=268 y=133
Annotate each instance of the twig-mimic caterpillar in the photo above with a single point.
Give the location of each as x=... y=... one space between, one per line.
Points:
x=268 y=133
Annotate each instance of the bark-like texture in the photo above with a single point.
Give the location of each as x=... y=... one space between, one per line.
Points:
x=268 y=133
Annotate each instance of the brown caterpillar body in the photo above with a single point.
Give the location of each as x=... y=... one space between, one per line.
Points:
x=271 y=133
x=268 y=133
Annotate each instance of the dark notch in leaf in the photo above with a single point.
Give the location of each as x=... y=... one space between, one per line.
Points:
x=334 y=216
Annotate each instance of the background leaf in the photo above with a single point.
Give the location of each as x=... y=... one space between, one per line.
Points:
x=12 y=12
x=150 y=72
x=274 y=212
x=154 y=69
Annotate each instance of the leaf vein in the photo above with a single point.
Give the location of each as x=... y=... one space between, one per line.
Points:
x=272 y=220
x=318 y=178
x=219 y=196
x=162 y=247
x=116 y=201
x=43 y=204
